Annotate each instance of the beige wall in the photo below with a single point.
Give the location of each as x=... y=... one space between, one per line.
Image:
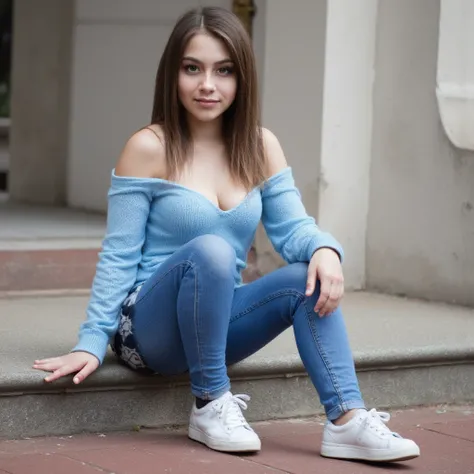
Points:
x=292 y=73
x=421 y=219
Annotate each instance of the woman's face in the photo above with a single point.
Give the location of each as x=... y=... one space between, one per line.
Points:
x=207 y=83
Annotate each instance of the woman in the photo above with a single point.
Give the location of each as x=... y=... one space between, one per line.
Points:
x=185 y=200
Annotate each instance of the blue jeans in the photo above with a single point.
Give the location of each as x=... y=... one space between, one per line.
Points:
x=189 y=317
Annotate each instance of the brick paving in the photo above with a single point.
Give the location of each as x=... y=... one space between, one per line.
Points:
x=445 y=435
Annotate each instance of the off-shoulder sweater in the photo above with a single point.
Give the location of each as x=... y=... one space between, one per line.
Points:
x=148 y=219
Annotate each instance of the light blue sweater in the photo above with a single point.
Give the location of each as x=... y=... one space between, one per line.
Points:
x=149 y=219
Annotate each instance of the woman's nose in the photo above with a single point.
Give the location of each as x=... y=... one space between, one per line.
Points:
x=208 y=85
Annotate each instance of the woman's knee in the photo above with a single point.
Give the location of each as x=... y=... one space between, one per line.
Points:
x=214 y=252
x=296 y=276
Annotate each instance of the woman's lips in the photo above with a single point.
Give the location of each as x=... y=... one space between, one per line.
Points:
x=207 y=102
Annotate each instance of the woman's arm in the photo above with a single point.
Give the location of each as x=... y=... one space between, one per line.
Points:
x=294 y=234
x=129 y=199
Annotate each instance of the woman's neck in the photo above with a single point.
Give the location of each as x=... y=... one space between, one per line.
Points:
x=205 y=131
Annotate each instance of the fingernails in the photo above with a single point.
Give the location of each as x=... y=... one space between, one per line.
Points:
x=76 y=380
x=47 y=379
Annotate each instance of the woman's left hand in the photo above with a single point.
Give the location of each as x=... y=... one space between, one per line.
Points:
x=325 y=266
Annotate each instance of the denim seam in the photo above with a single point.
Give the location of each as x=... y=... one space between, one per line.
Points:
x=180 y=264
x=266 y=300
x=322 y=354
x=197 y=327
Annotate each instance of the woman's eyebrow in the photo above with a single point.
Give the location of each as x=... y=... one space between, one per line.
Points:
x=195 y=60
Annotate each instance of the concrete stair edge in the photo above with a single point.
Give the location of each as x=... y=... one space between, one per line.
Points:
x=115 y=376
x=285 y=395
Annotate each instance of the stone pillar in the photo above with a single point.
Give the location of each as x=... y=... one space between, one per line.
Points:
x=347 y=129
x=40 y=100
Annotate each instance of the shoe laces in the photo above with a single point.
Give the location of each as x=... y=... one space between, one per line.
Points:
x=230 y=411
x=376 y=420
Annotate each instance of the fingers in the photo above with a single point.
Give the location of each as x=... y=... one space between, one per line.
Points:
x=331 y=292
x=82 y=363
x=325 y=291
x=60 y=372
x=337 y=290
x=330 y=297
x=326 y=266
x=57 y=366
x=85 y=372
x=45 y=361
x=48 y=364
x=311 y=280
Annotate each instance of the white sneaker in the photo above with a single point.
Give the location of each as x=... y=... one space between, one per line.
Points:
x=220 y=425
x=366 y=437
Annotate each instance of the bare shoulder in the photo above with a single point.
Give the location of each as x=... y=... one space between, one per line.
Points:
x=143 y=156
x=275 y=158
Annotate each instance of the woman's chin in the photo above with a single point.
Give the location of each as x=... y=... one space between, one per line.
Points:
x=206 y=116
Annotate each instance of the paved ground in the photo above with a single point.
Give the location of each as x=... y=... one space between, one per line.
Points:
x=445 y=435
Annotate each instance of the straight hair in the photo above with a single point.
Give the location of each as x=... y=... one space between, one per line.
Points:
x=242 y=131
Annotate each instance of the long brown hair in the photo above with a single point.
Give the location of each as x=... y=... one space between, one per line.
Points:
x=241 y=121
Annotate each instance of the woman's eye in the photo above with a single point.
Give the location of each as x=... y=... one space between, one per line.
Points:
x=192 y=68
x=224 y=71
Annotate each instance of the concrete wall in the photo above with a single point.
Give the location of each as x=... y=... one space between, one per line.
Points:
x=117 y=48
x=40 y=100
x=421 y=220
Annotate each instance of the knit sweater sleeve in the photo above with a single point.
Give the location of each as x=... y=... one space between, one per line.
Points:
x=294 y=234
x=128 y=209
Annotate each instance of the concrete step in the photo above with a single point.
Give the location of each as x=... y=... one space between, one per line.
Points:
x=40 y=270
x=407 y=353
x=45 y=248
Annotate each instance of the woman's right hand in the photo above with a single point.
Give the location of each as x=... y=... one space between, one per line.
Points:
x=81 y=362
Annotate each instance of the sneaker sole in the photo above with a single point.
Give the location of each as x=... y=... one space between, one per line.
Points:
x=218 y=445
x=364 y=454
